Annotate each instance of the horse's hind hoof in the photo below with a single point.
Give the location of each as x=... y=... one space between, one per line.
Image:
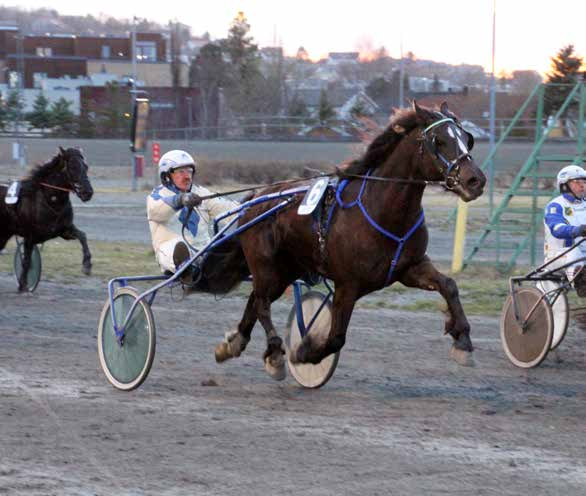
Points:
x=87 y=271
x=275 y=367
x=464 y=358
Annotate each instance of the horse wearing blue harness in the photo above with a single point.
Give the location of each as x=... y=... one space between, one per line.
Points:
x=371 y=233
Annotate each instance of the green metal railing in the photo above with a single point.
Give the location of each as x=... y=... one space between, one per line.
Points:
x=524 y=222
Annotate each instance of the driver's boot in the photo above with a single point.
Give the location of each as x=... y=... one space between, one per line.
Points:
x=181 y=254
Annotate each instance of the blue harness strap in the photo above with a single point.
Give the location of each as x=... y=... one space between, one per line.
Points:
x=358 y=201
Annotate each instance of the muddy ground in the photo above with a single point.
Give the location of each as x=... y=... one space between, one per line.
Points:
x=398 y=417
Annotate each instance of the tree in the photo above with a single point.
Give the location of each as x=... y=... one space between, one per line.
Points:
x=302 y=54
x=14 y=106
x=565 y=69
x=208 y=72
x=3 y=113
x=524 y=82
x=40 y=117
x=325 y=110
x=62 y=118
x=243 y=76
x=297 y=107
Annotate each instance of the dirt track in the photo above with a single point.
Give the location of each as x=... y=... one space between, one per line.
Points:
x=396 y=418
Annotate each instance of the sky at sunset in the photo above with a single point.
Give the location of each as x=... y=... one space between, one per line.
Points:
x=452 y=31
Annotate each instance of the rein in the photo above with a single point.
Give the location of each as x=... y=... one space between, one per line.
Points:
x=47 y=185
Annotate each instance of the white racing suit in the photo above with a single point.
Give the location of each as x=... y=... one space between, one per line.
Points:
x=563 y=217
x=166 y=217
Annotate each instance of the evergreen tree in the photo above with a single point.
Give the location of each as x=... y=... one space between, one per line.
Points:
x=40 y=117
x=14 y=107
x=3 y=113
x=62 y=118
x=565 y=69
x=325 y=110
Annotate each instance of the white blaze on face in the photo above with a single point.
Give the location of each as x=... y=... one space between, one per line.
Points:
x=457 y=135
x=463 y=147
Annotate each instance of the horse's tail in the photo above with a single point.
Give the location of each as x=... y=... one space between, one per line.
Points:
x=225 y=267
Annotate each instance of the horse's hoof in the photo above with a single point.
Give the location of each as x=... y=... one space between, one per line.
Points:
x=231 y=347
x=87 y=270
x=222 y=352
x=275 y=367
x=464 y=358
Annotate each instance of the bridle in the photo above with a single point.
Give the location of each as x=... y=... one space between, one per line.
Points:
x=450 y=169
x=75 y=187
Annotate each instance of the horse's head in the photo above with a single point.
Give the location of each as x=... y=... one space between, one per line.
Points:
x=445 y=151
x=75 y=169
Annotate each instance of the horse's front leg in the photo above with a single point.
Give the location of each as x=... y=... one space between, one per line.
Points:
x=26 y=264
x=314 y=349
x=235 y=341
x=72 y=232
x=425 y=276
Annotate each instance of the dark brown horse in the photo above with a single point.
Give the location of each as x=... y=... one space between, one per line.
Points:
x=376 y=237
x=44 y=210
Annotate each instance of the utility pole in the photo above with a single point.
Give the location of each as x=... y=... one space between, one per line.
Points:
x=20 y=96
x=401 y=76
x=133 y=95
x=189 y=115
x=492 y=127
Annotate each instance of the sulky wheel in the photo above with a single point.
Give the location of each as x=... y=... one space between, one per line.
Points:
x=307 y=374
x=559 y=309
x=527 y=346
x=34 y=272
x=127 y=366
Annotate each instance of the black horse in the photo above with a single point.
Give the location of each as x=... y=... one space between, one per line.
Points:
x=375 y=235
x=44 y=210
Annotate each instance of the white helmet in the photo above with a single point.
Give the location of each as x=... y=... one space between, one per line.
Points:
x=568 y=173
x=173 y=160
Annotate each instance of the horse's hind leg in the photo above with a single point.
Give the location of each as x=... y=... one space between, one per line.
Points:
x=72 y=232
x=269 y=287
x=310 y=350
x=26 y=264
x=425 y=276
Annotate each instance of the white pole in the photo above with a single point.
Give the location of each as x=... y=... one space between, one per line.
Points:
x=401 y=76
x=133 y=96
x=492 y=127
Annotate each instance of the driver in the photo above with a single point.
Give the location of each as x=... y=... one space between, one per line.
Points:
x=565 y=225
x=172 y=204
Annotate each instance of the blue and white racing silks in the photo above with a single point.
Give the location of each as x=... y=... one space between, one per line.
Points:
x=563 y=217
x=166 y=216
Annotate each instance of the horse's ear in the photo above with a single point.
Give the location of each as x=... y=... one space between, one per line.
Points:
x=444 y=108
x=61 y=150
x=414 y=106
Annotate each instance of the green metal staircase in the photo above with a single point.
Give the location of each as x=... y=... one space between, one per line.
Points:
x=515 y=222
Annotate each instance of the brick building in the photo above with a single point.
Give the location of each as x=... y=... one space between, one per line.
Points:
x=58 y=56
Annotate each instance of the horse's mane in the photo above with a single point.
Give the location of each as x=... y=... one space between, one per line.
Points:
x=39 y=172
x=385 y=143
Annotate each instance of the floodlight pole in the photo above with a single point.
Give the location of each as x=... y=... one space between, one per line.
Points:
x=133 y=96
x=19 y=96
x=401 y=76
x=492 y=127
